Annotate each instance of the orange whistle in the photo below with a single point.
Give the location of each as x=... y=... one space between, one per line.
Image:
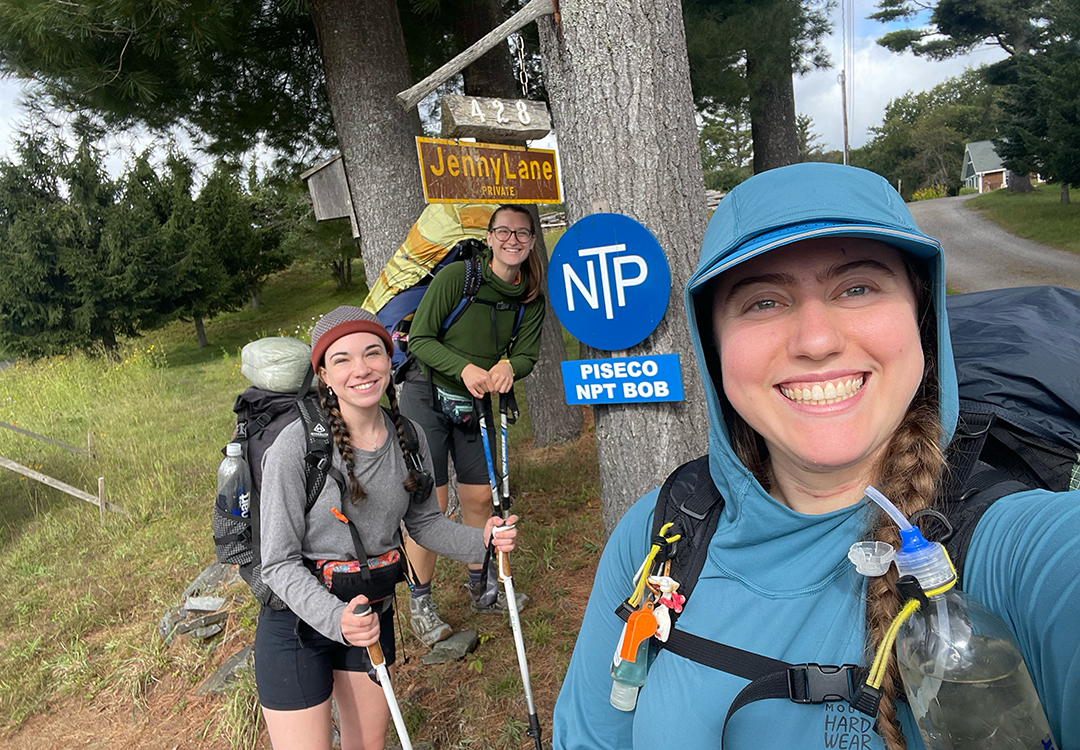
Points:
x=640 y=625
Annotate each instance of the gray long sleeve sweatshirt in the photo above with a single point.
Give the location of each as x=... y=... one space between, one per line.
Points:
x=288 y=538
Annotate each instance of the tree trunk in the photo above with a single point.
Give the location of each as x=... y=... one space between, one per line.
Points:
x=1018 y=183
x=553 y=420
x=492 y=75
x=772 y=108
x=1064 y=192
x=363 y=54
x=254 y=299
x=619 y=82
x=200 y=332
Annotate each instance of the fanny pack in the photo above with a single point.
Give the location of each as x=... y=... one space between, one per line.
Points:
x=347 y=579
x=457 y=409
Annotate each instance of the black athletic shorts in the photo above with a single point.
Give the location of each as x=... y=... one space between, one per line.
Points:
x=294 y=663
x=444 y=437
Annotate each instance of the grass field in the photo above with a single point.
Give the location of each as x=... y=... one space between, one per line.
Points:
x=1039 y=215
x=80 y=659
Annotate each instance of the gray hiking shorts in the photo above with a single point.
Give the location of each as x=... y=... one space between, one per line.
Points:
x=445 y=439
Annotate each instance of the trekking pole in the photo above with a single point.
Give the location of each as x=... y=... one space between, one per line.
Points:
x=482 y=406
x=379 y=662
x=507 y=403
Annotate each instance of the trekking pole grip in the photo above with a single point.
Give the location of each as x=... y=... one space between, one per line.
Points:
x=504 y=564
x=375 y=649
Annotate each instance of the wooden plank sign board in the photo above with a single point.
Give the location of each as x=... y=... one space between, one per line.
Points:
x=499 y=119
x=466 y=172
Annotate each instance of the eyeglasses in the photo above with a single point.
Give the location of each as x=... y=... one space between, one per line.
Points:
x=503 y=234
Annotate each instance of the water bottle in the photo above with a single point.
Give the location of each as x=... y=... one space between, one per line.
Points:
x=965 y=679
x=234 y=482
x=631 y=662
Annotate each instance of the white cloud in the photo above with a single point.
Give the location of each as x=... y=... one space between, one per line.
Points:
x=877 y=75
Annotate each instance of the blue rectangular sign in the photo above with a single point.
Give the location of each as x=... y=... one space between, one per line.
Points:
x=623 y=380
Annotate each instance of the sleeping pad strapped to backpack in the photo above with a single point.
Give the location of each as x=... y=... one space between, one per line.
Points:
x=444 y=233
x=1017 y=355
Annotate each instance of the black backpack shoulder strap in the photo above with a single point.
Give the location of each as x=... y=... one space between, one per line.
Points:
x=984 y=486
x=319 y=441
x=689 y=501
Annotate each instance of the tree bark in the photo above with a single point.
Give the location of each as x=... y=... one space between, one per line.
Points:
x=553 y=420
x=364 y=60
x=772 y=107
x=619 y=82
x=493 y=74
x=1064 y=192
x=200 y=332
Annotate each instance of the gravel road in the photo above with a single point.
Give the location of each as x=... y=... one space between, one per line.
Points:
x=980 y=255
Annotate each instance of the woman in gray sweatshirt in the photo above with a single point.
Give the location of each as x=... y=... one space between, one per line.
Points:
x=317 y=647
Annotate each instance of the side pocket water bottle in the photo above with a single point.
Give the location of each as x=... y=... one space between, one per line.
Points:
x=631 y=662
x=234 y=483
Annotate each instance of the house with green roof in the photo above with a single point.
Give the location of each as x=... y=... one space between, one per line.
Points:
x=982 y=169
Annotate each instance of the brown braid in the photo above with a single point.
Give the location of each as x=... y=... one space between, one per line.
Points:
x=910 y=474
x=411 y=481
x=329 y=403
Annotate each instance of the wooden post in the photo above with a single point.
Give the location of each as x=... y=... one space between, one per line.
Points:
x=101 y=498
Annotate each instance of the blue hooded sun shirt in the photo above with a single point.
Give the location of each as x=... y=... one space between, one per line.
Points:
x=777 y=582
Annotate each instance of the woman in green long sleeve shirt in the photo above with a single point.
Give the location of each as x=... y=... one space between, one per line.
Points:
x=480 y=353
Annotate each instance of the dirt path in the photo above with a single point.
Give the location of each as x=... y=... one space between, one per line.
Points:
x=980 y=255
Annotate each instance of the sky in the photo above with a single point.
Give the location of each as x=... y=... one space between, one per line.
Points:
x=875 y=77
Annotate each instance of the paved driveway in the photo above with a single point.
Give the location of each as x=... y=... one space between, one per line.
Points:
x=980 y=255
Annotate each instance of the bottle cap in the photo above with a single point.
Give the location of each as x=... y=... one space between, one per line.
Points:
x=233 y=449
x=872 y=558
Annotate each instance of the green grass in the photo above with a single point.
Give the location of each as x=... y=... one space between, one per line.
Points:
x=81 y=598
x=1039 y=215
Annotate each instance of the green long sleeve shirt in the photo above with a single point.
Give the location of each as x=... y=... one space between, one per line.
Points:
x=471 y=339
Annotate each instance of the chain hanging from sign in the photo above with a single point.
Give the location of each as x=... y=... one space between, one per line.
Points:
x=517 y=42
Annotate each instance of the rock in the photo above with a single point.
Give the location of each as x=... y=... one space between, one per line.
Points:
x=167 y=626
x=212 y=577
x=201 y=622
x=453 y=648
x=209 y=631
x=226 y=673
x=204 y=603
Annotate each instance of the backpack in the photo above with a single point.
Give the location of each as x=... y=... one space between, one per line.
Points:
x=444 y=233
x=261 y=415
x=1017 y=356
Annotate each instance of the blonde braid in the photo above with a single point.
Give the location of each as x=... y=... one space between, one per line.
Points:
x=329 y=403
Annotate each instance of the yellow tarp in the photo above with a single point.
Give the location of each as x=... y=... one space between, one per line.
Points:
x=440 y=227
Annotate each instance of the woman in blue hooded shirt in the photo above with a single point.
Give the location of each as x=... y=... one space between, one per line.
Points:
x=818 y=318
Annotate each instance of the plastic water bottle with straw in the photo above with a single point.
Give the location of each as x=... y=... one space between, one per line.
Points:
x=966 y=682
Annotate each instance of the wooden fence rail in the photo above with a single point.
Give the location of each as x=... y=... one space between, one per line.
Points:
x=89 y=445
x=18 y=468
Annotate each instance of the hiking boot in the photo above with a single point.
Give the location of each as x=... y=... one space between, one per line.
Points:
x=425 y=621
x=500 y=606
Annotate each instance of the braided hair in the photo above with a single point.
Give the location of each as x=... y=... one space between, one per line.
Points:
x=340 y=432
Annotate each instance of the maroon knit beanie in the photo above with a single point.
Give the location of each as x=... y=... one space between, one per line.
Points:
x=341 y=321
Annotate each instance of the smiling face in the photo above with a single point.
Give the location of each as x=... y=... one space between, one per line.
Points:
x=820 y=351
x=508 y=254
x=357 y=368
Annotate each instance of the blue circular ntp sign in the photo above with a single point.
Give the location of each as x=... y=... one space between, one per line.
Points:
x=609 y=281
